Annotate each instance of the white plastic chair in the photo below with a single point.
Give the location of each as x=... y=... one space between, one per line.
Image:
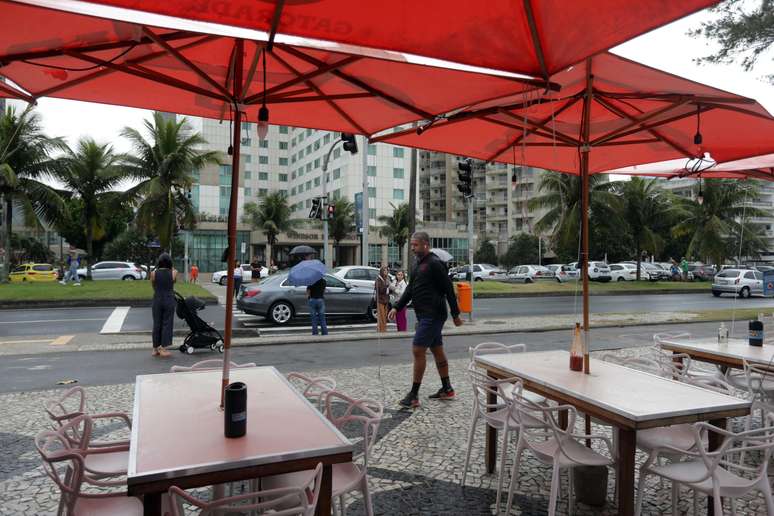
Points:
x=72 y=403
x=722 y=473
x=208 y=365
x=66 y=467
x=351 y=476
x=494 y=348
x=299 y=500
x=313 y=389
x=556 y=447
x=98 y=462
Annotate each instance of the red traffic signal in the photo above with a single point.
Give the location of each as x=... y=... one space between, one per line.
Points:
x=331 y=210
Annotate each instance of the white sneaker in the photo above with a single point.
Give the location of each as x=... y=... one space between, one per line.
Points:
x=62 y=282
x=76 y=284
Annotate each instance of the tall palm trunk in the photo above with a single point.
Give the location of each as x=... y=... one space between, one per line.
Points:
x=639 y=260
x=7 y=238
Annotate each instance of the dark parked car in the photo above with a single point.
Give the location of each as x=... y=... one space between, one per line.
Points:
x=702 y=272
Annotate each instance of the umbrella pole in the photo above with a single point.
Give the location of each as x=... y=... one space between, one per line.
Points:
x=585 y=149
x=232 y=216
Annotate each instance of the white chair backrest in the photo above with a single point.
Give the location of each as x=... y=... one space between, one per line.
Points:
x=343 y=410
x=71 y=404
x=639 y=363
x=658 y=338
x=63 y=465
x=759 y=381
x=712 y=383
x=287 y=501
x=313 y=389
x=208 y=365
x=491 y=348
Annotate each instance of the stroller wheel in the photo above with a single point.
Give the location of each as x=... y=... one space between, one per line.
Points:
x=213 y=346
x=189 y=350
x=182 y=348
x=220 y=348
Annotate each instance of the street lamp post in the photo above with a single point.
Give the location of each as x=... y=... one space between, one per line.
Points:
x=349 y=145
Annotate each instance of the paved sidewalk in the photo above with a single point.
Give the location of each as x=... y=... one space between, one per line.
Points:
x=416 y=467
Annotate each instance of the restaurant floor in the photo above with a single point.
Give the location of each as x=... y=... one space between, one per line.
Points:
x=415 y=469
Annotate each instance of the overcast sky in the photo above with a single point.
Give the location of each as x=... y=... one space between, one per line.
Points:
x=668 y=48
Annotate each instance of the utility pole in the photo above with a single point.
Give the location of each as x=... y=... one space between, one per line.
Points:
x=465 y=186
x=470 y=250
x=350 y=145
x=366 y=216
x=185 y=257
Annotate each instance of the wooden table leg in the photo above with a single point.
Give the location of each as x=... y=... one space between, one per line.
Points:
x=627 y=448
x=714 y=442
x=326 y=492
x=563 y=420
x=491 y=438
x=151 y=504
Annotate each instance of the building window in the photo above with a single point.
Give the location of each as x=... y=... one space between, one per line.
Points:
x=248 y=174
x=283 y=129
x=262 y=192
x=374 y=254
x=293 y=191
x=283 y=145
x=308 y=150
x=245 y=126
x=246 y=142
x=263 y=176
x=264 y=144
x=224 y=177
x=317 y=145
x=308 y=203
x=247 y=158
x=371 y=171
x=317 y=163
x=308 y=185
x=397 y=152
x=293 y=142
x=371 y=213
x=371 y=149
x=283 y=193
x=371 y=191
x=308 y=167
x=308 y=132
x=292 y=158
x=263 y=160
x=397 y=194
x=248 y=192
x=293 y=175
x=336 y=173
x=317 y=181
x=397 y=173
x=336 y=194
x=283 y=178
x=283 y=162
x=336 y=153
x=327 y=138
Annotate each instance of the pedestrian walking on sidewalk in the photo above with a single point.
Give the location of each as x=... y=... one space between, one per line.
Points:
x=429 y=291
x=382 y=296
x=194 y=273
x=396 y=291
x=237 y=278
x=163 y=281
x=73 y=263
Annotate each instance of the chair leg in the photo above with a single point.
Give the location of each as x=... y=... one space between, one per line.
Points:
x=766 y=490
x=554 y=491
x=733 y=506
x=471 y=435
x=369 y=507
x=501 y=475
x=514 y=473
x=718 y=502
x=570 y=491
x=675 y=497
x=695 y=502
x=342 y=506
x=640 y=493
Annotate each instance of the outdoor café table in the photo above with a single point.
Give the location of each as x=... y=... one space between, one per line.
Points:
x=730 y=354
x=625 y=398
x=177 y=434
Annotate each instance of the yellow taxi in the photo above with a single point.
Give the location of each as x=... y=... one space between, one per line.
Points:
x=33 y=272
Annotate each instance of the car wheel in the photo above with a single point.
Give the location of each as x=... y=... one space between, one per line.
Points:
x=744 y=293
x=620 y=278
x=128 y=278
x=372 y=314
x=527 y=280
x=81 y=278
x=281 y=312
x=558 y=280
x=223 y=281
x=716 y=293
x=220 y=348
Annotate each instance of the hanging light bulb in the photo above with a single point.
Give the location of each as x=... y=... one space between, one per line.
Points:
x=700 y=196
x=263 y=113
x=697 y=138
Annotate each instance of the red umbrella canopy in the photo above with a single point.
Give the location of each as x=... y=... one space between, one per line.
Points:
x=535 y=37
x=81 y=57
x=755 y=167
x=636 y=114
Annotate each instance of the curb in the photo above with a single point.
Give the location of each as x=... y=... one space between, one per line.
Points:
x=497 y=295
x=87 y=303
x=235 y=332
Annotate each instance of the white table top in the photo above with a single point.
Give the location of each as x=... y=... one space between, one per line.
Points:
x=633 y=395
x=177 y=427
x=735 y=348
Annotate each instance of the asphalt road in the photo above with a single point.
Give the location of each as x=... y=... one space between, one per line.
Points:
x=43 y=371
x=68 y=321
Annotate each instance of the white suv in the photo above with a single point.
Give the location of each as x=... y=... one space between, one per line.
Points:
x=599 y=271
x=114 y=271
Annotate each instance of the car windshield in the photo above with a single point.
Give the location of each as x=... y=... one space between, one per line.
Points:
x=337 y=269
x=598 y=264
x=729 y=273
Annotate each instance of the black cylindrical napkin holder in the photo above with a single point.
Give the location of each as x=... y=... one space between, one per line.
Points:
x=235 y=410
x=756 y=333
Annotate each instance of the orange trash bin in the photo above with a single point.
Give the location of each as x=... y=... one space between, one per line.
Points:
x=465 y=297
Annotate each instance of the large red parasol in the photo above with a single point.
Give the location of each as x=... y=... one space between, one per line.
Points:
x=534 y=37
x=756 y=167
x=610 y=112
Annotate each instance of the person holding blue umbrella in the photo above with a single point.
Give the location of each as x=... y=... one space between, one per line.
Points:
x=311 y=274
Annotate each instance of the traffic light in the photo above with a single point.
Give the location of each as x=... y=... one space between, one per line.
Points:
x=331 y=211
x=465 y=175
x=349 y=143
x=314 y=213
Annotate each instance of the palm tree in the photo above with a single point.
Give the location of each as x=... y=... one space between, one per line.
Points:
x=164 y=164
x=25 y=160
x=561 y=195
x=397 y=227
x=91 y=172
x=645 y=208
x=342 y=223
x=272 y=216
x=720 y=220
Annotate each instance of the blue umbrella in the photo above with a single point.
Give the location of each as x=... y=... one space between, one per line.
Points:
x=305 y=273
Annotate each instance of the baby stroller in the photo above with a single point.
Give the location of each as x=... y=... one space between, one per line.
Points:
x=202 y=335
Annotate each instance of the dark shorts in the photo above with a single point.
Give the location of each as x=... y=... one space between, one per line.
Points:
x=428 y=334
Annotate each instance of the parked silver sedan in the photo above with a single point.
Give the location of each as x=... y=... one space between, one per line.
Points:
x=741 y=282
x=279 y=302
